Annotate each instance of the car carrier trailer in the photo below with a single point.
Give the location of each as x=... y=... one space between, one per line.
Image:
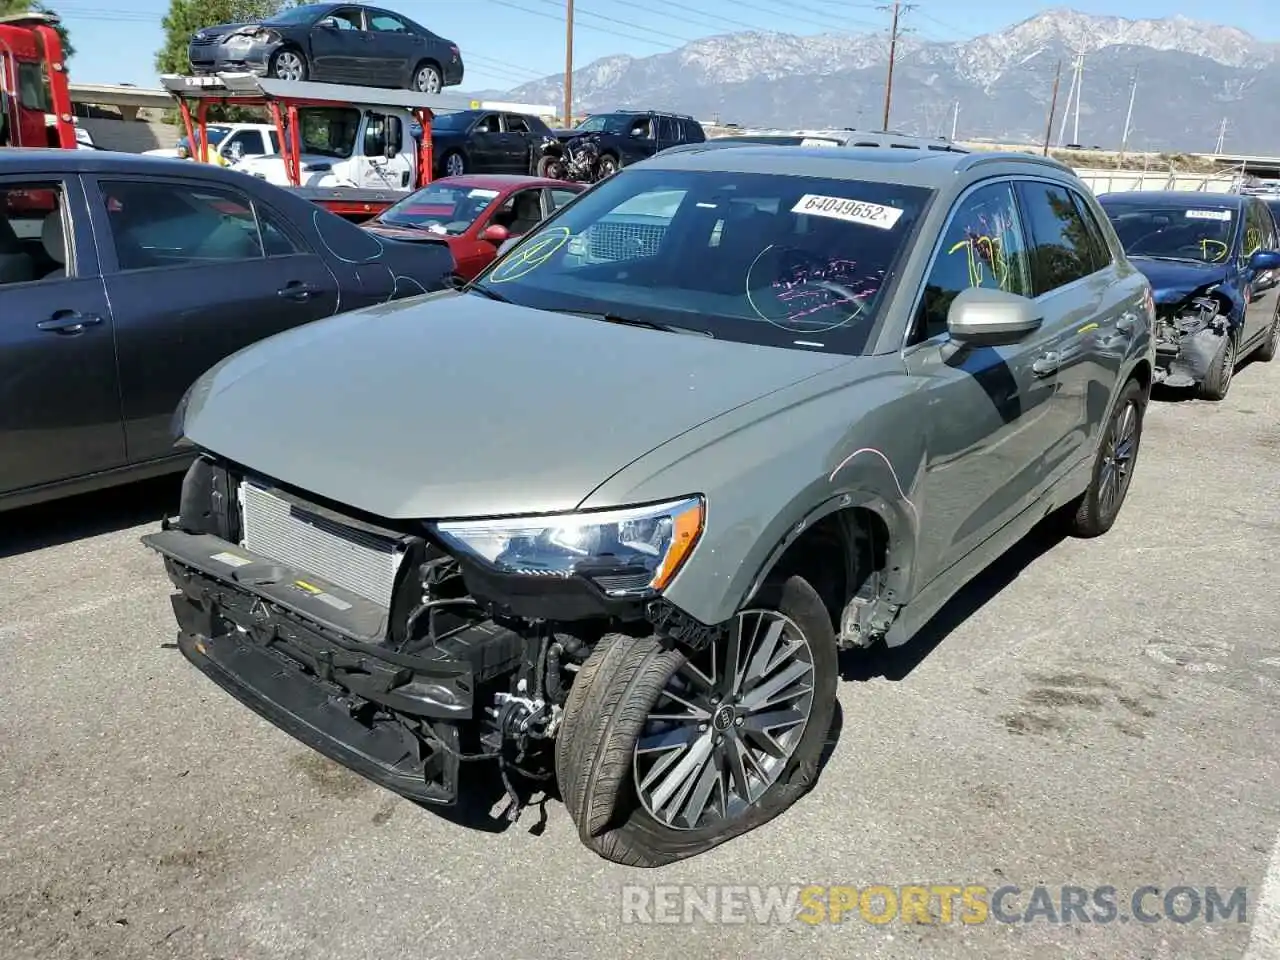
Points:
x=373 y=168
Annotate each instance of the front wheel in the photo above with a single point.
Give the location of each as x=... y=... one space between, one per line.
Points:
x=663 y=756
x=288 y=65
x=1217 y=381
x=1097 y=509
x=551 y=168
x=454 y=165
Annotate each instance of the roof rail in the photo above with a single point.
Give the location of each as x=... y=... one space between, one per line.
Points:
x=1004 y=156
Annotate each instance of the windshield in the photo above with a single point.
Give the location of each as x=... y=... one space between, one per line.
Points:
x=451 y=121
x=1202 y=234
x=442 y=209
x=603 y=123
x=329 y=131
x=756 y=257
x=215 y=133
x=301 y=14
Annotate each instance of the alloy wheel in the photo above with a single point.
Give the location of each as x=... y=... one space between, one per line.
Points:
x=726 y=724
x=1117 y=461
x=288 y=66
x=454 y=165
x=427 y=81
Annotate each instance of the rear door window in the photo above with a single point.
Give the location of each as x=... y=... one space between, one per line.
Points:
x=1061 y=248
x=161 y=224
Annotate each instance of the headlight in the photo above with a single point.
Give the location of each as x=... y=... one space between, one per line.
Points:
x=625 y=552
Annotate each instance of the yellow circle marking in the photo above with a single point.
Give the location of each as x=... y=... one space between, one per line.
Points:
x=531 y=256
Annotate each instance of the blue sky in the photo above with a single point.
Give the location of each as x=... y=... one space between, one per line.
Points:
x=508 y=42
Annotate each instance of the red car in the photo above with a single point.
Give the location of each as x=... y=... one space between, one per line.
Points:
x=473 y=214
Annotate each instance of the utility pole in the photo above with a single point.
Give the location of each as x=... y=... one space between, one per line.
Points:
x=1222 y=137
x=955 y=121
x=568 y=63
x=1053 y=108
x=1128 y=117
x=1071 y=92
x=897 y=9
x=1075 y=135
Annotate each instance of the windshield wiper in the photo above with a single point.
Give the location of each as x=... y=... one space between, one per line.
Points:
x=637 y=322
x=1152 y=256
x=483 y=291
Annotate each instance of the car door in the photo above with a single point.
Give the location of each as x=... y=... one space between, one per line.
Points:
x=987 y=408
x=338 y=47
x=640 y=141
x=485 y=144
x=519 y=143
x=394 y=45
x=60 y=411
x=1088 y=317
x=195 y=272
x=1260 y=307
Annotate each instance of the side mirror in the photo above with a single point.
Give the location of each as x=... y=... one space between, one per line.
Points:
x=392 y=150
x=495 y=233
x=1265 y=260
x=328 y=23
x=982 y=317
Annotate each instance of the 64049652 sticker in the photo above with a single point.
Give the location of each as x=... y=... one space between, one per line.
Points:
x=850 y=211
x=1223 y=215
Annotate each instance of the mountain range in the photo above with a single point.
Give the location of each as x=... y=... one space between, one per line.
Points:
x=1190 y=77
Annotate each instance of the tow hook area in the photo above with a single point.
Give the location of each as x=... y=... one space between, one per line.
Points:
x=1187 y=341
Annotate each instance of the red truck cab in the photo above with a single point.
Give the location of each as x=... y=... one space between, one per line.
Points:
x=35 y=99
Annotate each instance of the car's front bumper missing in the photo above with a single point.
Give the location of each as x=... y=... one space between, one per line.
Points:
x=316 y=663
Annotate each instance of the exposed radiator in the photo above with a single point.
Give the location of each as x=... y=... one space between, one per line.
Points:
x=361 y=562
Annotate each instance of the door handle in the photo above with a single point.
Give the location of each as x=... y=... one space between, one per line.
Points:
x=297 y=290
x=1047 y=364
x=68 y=322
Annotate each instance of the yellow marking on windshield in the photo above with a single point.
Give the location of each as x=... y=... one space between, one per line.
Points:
x=1087 y=327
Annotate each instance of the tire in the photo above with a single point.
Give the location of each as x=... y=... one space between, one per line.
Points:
x=609 y=165
x=454 y=164
x=550 y=168
x=1217 y=381
x=606 y=781
x=292 y=62
x=426 y=78
x=1097 y=509
x=1267 y=352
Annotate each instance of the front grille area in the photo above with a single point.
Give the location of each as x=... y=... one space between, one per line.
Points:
x=361 y=562
x=624 y=241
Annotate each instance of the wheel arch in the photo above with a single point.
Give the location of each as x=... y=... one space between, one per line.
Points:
x=825 y=545
x=427 y=62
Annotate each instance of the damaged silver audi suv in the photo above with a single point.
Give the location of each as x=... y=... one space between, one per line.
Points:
x=606 y=516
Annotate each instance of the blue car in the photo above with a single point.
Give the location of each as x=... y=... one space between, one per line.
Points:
x=1213 y=261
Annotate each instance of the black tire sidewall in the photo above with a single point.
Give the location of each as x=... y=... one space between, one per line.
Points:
x=1131 y=393
x=633 y=828
x=273 y=66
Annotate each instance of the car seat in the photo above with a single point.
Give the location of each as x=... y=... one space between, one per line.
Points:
x=16 y=265
x=54 y=240
x=527 y=213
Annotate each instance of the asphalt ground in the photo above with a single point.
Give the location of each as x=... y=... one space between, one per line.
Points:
x=1090 y=714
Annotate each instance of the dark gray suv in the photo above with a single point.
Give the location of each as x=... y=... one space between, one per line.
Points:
x=611 y=511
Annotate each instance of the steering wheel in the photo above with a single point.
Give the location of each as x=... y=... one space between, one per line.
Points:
x=795 y=270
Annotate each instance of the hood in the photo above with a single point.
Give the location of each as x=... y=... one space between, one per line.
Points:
x=452 y=405
x=274 y=162
x=1174 y=280
x=221 y=30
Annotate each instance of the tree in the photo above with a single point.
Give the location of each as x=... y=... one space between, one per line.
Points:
x=185 y=17
x=11 y=7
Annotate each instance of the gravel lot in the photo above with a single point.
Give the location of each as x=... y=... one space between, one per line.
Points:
x=1089 y=713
